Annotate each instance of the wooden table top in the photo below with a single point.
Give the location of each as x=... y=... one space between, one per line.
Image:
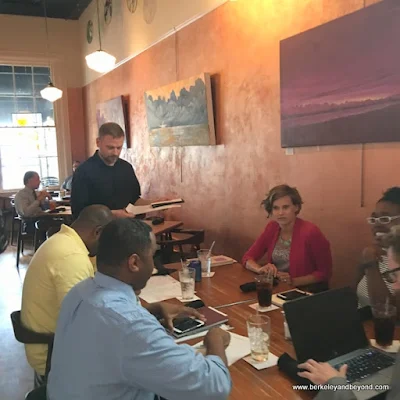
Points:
x=249 y=383
x=165 y=227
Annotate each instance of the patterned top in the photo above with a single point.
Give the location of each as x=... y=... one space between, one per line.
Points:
x=362 y=288
x=280 y=256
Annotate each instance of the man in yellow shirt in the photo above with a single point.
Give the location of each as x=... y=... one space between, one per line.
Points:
x=59 y=264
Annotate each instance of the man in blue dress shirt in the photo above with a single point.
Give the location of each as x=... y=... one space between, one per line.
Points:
x=107 y=346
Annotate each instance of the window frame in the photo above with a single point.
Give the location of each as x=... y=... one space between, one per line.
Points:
x=57 y=71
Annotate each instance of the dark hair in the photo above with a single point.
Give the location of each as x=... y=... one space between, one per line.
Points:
x=119 y=240
x=111 y=129
x=28 y=175
x=277 y=193
x=391 y=195
x=393 y=242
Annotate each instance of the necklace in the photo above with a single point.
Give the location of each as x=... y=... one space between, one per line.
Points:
x=285 y=242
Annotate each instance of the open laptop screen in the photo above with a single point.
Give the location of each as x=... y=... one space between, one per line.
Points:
x=326 y=325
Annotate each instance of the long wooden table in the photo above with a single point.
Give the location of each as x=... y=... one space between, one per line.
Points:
x=249 y=383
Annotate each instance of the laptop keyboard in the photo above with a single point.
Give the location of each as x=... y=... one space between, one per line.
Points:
x=366 y=364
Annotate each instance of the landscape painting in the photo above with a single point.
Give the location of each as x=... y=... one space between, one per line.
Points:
x=181 y=114
x=340 y=82
x=113 y=111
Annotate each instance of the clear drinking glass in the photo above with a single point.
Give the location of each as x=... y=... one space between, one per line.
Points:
x=204 y=256
x=187 y=277
x=259 y=332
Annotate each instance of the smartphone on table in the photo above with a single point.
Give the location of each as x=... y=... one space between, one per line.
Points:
x=186 y=324
x=292 y=295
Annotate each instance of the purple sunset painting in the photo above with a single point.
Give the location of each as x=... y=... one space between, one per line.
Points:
x=340 y=82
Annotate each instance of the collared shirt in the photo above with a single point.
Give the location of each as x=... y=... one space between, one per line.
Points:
x=94 y=182
x=26 y=203
x=108 y=347
x=59 y=264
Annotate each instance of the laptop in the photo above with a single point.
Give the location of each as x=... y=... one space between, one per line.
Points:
x=327 y=328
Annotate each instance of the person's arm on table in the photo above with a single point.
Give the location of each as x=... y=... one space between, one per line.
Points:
x=29 y=209
x=153 y=361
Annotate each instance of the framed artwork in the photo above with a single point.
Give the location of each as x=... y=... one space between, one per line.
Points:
x=340 y=82
x=181 y=114
x=114 y=110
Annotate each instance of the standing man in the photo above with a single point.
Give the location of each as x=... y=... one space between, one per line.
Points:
x=106 y=179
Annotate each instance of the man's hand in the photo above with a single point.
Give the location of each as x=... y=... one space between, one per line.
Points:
x=320 y=373
x=269 y=268
x=167 y=312
x=44 y=194
x=122 y=214
x=285 y=277
x=217 y=334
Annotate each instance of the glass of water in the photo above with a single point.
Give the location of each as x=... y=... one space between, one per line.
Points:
x=204 y=256
x=187 y=277
x=259 y=331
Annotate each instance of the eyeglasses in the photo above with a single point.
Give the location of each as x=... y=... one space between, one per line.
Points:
x=391 y=275
x=382 y=220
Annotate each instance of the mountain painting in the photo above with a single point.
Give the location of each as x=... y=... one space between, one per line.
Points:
x=181 y=114
x=340 y=82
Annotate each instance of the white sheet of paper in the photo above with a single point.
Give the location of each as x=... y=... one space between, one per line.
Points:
x=160 y=288
x=271 y=362
x=204 y=275
x=256 y=307
x=238 y=348
x=201 y=334
x=136 y=210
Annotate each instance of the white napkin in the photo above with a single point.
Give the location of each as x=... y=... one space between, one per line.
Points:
x=394 y=348
x=256 y=307
x=272 y=361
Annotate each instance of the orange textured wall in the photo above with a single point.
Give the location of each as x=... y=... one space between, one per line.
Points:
x=76 y=124
x=238 y=44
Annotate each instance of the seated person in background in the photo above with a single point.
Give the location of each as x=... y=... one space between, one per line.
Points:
x=59 y=264
x=323 y=373
x=370 y=283
x=28 y=202
x=297 y=251
x=108 y=346
x=67 y=184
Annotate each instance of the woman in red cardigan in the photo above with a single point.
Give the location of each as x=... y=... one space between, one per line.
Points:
x=297 y=251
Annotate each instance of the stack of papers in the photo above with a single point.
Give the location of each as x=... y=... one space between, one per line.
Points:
x=154 y=207
x=238 y=348
x=160 y=288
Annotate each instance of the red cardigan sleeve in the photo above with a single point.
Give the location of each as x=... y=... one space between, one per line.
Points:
x=260 y=246
x=320 y=250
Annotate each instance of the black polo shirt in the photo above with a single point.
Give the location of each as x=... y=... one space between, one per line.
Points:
x=95 y=182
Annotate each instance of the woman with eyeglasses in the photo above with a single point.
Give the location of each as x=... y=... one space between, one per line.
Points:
x=323 y=373
x=372 y=283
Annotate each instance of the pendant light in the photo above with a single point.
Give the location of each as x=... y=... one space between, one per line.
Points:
x=100 y=61
x=50 y=93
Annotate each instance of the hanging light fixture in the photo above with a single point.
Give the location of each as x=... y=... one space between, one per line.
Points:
x=50 y=93
x=100 y=61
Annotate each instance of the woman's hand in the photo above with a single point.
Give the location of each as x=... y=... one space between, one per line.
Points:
x=267 y=269
x=320 y=373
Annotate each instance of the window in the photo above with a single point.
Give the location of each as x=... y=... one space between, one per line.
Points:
x=27 y=130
